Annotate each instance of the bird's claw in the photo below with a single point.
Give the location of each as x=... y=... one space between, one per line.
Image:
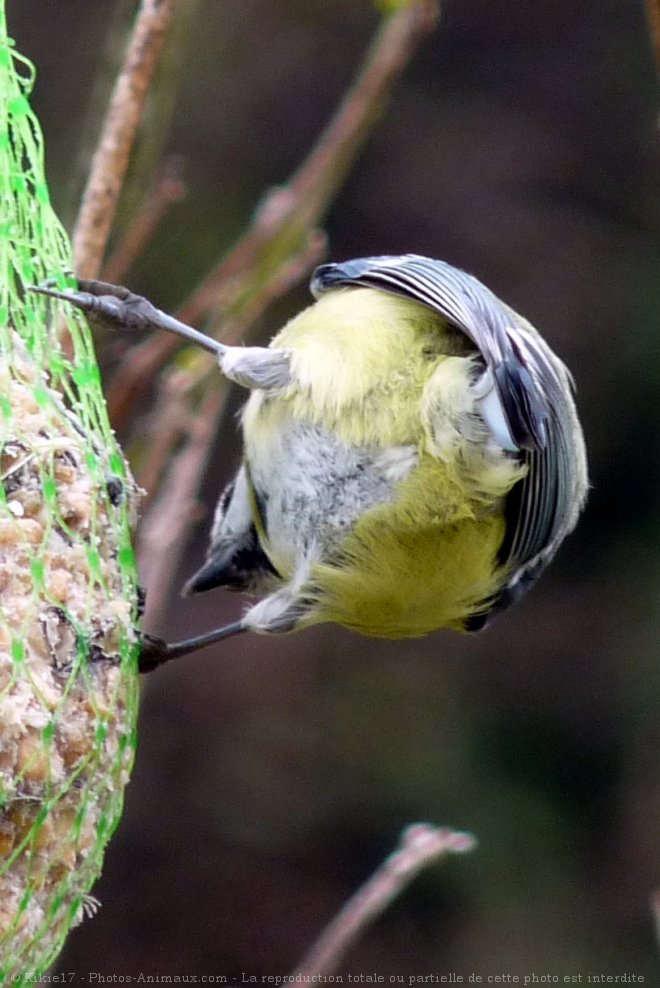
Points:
x=111 y=305
x=153 y=652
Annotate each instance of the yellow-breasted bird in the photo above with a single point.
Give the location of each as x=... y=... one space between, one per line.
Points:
x=412 y=455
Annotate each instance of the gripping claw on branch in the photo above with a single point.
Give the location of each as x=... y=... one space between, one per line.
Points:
x=119 y=308
x=155 y=652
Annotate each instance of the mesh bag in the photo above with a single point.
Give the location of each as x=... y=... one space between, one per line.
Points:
x=68 y=676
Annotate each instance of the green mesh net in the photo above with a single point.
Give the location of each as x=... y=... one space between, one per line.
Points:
x=68 y=679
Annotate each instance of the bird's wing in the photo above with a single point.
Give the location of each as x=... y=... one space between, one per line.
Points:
x=525 y=373
x=534 y=389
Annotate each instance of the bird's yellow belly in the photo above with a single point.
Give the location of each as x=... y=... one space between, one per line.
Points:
x=413 y=565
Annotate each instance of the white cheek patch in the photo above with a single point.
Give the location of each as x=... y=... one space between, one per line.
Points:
x=233 y=516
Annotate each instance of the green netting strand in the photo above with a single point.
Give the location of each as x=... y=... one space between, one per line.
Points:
x=68 y=681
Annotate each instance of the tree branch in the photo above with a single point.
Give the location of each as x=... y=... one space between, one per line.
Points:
x=167 y=189
x=168 y=522
x=287 y=212
x=99 y=203
x=420 y=846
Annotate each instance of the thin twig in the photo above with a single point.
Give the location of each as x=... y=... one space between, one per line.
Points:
x=288 y=214
x=170 y=518
x=110 y=161
x=420 y=845
x=167 y=190
x=653 y=15
x=174 y=418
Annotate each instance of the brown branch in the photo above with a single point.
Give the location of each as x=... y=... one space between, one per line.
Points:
x=653 y=16
x=420 y=846
x=169 y=520
x=173 y=422
x=167 y=190
x=110 y=161
x=290 y=213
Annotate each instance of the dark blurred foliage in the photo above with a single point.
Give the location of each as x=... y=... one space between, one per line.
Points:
x=273 y=775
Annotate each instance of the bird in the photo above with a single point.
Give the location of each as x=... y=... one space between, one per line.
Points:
x=412 y=456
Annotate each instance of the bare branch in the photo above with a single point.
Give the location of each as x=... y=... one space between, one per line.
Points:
x=167 y=524
x=289 y=214
x=109 y=164
x=167 y=190
x=174 y=424
x=420 y=846
x=288 y=211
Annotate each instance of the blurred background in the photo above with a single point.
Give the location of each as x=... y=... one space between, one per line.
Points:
x=273 y=775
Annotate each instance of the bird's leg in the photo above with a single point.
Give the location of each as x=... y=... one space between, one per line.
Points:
x=279 y=613
x=154 y=652
x=115 y=306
